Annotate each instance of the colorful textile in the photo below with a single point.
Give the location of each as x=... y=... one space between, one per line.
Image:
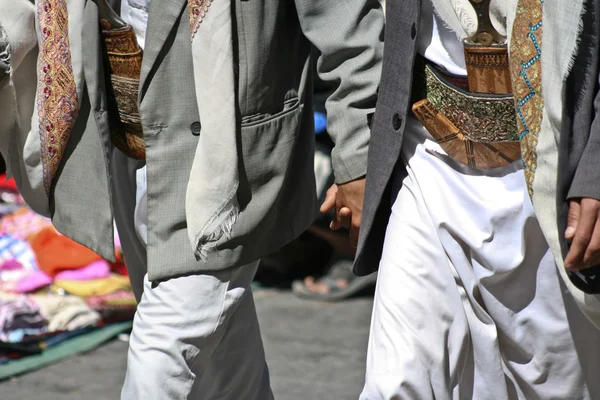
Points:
x=114 y=307
x=56 y=252
x=13 y=249
x=80 y=343
x=10 y=201
x=66 y=313
x=97 y=270
x=6 y=183
x=20 y=335
x=32 y=282
x=7 y=209
x=119 y=269
x=11 y=265
x=21 y=313
x=526 y=70
x=10 y=280
x=23 y=224
x=97 y=287
x=120 y=299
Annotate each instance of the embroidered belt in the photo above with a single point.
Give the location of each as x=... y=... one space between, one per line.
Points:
x=478 y=130
x=124 y=61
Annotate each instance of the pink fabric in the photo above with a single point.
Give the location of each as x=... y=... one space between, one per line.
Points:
x=11 y=265
x=97 y=270
x=117 y=240
x=34 y=281
x=23 y=223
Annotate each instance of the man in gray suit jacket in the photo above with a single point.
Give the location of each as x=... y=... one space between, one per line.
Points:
x=226 y=113
x=469 y=303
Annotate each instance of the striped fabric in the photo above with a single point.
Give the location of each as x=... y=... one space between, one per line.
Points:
x=13 y=249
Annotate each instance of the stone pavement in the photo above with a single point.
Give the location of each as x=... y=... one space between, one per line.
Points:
x=316 y=351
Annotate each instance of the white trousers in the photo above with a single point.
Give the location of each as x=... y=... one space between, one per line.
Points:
x=195 y=336
x=469 y=303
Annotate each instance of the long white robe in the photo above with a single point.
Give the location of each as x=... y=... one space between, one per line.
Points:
x=469 y=303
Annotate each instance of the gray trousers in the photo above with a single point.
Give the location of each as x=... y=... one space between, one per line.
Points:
x=194 y=336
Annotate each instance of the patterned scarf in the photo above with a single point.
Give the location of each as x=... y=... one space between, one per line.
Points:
x=57 y=101
x=526 y=72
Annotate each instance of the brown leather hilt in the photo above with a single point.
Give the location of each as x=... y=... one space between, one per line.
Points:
x=109 y=19
x=486 y=34
x=487 y=69
x=486 y=55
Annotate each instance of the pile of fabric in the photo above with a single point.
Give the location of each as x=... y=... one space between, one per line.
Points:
x=51 y=288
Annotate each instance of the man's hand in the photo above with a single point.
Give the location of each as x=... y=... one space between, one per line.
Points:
x=347 y=199
x=583 y=229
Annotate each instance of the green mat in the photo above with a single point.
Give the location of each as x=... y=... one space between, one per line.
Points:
x=76 y=345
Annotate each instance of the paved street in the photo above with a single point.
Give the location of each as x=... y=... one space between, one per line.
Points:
x=316 y=351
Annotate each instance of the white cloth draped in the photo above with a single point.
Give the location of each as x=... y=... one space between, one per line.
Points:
x=468 y=302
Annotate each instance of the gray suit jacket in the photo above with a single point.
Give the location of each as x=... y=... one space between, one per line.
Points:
x=274 y=105
x=402 y=27
x=578 y=172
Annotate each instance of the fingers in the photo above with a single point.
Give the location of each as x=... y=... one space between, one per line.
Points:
x=575 y=253
x=330 y=199
x=354 y=231
x=592 y=253
x=341 y=219
x=572 y=219
x=346 y=219
x=585 y=220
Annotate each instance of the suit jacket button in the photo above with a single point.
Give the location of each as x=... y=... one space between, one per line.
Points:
x=396 y=122
x=195 y=128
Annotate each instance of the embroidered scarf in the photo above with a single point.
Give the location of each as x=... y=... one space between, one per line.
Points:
x=526 y=73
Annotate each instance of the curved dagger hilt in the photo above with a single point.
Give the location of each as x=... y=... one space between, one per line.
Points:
x=486 y=34
x=109 y=19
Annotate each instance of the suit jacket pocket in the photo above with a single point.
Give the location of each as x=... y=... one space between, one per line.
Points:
x=267 y=149
x=277 y=191
x=289 y=106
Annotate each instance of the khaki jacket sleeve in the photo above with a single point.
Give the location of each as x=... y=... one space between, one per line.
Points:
x=18 y=84
x=349 y=37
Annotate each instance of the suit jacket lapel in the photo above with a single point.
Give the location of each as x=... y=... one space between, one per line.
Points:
x=162 y=17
